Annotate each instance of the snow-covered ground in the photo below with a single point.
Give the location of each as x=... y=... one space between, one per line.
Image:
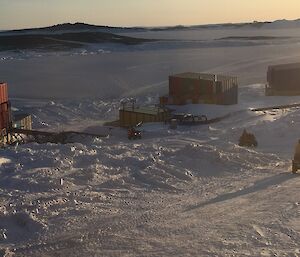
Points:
x=186 y=192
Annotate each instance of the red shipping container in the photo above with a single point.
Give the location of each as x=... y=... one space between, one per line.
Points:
x=4 y=116
x=175 y=86
x=197 y=88
x=4 y=107
x=4 y=123
x=3 y=93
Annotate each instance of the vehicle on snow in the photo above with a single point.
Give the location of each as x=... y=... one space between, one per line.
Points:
x=133 y=133
x=189 y=119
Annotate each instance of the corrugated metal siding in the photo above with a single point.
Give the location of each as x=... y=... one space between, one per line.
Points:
x=130 y=118
x=174 y=86
x=4 y=107
x=184 y=89
x=284 y=77
x=163 y=100
x=4 y=115
x=189 y=90
x=227 y=93
x=3 y=93
x=24 y=123
x=269 y=75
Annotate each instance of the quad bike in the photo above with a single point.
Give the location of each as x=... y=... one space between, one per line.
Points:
x=133 y=133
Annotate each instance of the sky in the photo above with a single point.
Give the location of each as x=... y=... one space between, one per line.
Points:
x=16 y=14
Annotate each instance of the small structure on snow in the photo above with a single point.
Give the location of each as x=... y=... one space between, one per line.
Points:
x=22 y=121
x=130 y=115
x=247 y=139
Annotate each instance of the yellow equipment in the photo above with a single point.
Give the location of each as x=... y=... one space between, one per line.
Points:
x=296 y=160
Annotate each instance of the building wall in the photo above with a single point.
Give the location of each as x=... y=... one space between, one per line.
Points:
x=3 y=93
x=188 y=90
x=131 y=118
x=4 y=115
x=227 y=92
x=3 y=134
x=25 y=123
x=284 y=79
x=4 y=107
x=163 y=100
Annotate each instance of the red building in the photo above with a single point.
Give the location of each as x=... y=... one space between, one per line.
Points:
x=4 y=109
x=196 y=88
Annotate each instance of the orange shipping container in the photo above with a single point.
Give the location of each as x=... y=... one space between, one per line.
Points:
x=3 y=93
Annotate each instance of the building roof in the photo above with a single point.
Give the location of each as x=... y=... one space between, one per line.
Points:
x=205 y=76
x=285 y=66
x=20 y=116
x=144 y=110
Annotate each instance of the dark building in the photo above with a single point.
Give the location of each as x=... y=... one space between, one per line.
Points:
x=283 y=79
x=201 y=88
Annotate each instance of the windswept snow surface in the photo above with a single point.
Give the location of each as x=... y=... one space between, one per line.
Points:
x=186 y=192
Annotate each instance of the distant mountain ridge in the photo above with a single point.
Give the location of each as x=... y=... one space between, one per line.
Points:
x=79 y=27
x=72 y=27
x=68 y=36
x=62 y=41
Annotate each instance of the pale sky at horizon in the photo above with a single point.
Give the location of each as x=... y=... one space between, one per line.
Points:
x=16 y=14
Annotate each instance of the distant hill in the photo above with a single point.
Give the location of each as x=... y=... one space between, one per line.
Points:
x=62 y=41
x=68 y=36
x=259 y=25
x=83 y=27
x=72 y=27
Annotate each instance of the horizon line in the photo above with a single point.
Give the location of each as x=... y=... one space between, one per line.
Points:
x=156 y=26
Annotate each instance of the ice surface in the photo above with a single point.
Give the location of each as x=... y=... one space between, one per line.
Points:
x=112 y=70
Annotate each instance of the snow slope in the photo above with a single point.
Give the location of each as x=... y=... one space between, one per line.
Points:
x=186 y=192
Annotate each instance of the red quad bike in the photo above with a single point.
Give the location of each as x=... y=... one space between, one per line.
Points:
x=134 y=133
